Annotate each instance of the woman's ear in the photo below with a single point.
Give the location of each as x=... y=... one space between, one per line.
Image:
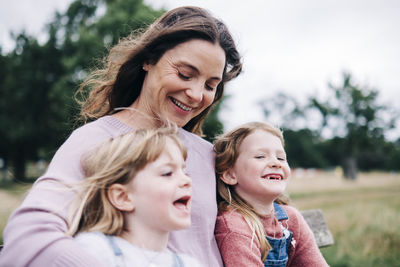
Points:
x=228 y=177
x=146 y=66
x=120 y=198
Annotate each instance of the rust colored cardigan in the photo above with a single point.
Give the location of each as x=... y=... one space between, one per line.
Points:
x=234 y=239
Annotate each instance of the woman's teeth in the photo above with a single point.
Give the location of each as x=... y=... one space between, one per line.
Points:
x=180 y=105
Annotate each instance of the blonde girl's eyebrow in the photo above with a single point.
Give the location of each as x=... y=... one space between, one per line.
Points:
x=171 y=164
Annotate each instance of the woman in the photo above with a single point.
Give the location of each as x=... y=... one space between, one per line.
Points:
x=175 y=71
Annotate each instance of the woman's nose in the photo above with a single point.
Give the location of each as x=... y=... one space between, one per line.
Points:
x=195 y=93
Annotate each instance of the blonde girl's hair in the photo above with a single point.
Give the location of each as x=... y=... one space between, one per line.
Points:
x=116 y=161
x=226 y=147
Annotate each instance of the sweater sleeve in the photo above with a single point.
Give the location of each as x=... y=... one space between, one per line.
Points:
x=305 y=252
x=235 y=243
x=34 y=235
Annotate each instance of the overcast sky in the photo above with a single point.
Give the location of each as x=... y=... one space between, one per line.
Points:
x=291 y=46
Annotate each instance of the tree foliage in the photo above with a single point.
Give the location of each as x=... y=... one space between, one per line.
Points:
x=303 y=148
x=28 y=110
x=356 y=123
x=354 y=113
x=212 y=125
x=38 y=81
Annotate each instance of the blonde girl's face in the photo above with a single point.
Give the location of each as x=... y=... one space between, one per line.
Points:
x=261 y=172
x=183 y=82
x=162 y=192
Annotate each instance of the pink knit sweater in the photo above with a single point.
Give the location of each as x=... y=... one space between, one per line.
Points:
x=234 y=239
x=34 y=235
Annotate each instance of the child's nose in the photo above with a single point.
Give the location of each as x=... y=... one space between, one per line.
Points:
x=186 y=181
x=274 y=163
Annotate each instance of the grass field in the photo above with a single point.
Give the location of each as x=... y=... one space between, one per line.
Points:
x=363 y=215
x=10 y=197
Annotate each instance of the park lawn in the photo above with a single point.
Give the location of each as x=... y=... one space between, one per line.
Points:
x=10 y=198
x=363 y=215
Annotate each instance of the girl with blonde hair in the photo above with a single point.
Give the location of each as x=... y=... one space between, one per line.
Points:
x=134 y=193
x=255 y=225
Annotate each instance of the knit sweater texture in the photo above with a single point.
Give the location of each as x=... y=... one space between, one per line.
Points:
x=34 y=235
x=239 y=249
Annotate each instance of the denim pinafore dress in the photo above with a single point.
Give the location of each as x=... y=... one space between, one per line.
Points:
x=278 y=256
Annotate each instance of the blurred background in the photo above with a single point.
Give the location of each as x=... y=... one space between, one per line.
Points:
x=326 y=72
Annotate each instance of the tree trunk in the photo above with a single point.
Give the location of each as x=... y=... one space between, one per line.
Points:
x=19 y=167
x=4 y=177
x=350 y=168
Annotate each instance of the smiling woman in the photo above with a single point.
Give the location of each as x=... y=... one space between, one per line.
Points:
x=141 y=72
x=175 y=71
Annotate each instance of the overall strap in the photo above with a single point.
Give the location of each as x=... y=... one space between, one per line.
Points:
x=117 y=251
x=280 y=212
x=178 y=261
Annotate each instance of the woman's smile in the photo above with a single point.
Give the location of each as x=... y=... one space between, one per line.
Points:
x=183 y=82
x=181 y=105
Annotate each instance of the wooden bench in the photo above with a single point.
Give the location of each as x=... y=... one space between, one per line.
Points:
x=315 y=219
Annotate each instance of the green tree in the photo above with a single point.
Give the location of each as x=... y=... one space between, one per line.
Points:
x=38 y=81
x=212 y=125
x=392 y=152
x=4 y=66
x=285 y=109
x=27 y=114
x=302 y=145
x=303 y=148
x=346 y=129
x=353 y=113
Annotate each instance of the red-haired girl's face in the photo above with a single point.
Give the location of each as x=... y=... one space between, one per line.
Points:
x=261 y=171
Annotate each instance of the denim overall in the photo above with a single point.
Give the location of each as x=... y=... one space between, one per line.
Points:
x=118 y=254
x=278 y=256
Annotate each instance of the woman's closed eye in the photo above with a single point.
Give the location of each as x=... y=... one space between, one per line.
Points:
x=212 y=84
x=183 y=76
x=209 y=87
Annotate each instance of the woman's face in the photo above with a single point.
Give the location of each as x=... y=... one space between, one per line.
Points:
x=183 y=82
